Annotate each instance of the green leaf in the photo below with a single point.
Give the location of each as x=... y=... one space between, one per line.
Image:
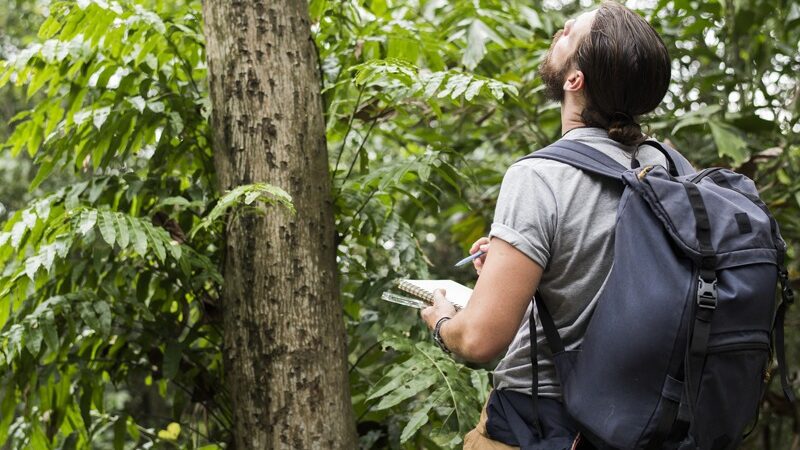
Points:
x=138 y=102
x=418 y=419
x=699 y=117
x=408 y=389
x=496 y=89
x=87 y=221
x=14 y=343
x=172 y=359
x=103 y=314
x=85 y=404
x=316 y=8
x=477 y=37
x=17 y=232
x=531 y=16
x=120 y=432
x=48 y=326
x=45 y=168
x=404 y=48
x=49 y=28
x=100 y=115
x=460 y=83
x=251 y=196
x=728 y=141
x=175 y=249
x=174 y=201
x=123 y=234
x=473 y=89
x=155 y=240
x=379 y=7
x=139 y=236
x=33 y=338
x=107 y=227
x=480 y=381
x=38 y=80
x=266 y=193
x=32 y=265
x=393 y=379
x=171 y=433
x=433 y=83
x=89 y=316
x=39 y=439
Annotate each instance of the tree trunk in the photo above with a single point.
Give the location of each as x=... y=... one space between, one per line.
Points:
x=285 y=349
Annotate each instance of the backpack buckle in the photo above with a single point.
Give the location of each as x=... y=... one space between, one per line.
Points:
x=707 y=294
x=644 y=172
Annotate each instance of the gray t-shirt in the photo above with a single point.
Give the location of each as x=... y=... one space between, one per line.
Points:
x=564 y=221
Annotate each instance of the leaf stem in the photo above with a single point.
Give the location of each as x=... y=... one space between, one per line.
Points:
x=347 y=132
x=449 y=388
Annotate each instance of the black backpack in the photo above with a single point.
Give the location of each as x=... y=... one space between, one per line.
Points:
x=678 y=349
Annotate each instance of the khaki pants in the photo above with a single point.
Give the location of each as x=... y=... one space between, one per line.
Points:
x=478 y=439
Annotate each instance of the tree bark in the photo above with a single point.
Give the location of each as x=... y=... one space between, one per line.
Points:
x=285 y=345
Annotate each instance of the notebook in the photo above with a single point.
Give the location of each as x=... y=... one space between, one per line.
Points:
x=456 y=293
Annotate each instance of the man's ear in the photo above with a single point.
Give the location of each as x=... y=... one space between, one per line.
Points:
x=574 y=82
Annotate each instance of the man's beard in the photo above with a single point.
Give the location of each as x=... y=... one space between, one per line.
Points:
x=552 y=76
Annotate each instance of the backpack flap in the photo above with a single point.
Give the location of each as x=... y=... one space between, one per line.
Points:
x=744 y=248
x=741 y=232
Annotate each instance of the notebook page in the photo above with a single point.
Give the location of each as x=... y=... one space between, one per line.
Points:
x=457 y=293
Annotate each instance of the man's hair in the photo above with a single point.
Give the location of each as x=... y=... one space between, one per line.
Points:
x=626 y=69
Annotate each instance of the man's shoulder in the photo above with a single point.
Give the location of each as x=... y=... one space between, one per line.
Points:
x=532 y=164
x=548 y=170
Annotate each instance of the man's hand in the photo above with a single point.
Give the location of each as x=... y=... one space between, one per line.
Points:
x=440 y=308
x=489 y=322
x=483 y=245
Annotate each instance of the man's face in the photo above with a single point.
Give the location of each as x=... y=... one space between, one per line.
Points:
x=556 y=65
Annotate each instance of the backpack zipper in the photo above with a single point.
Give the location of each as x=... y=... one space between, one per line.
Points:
x=704 y=173
x=736 y=346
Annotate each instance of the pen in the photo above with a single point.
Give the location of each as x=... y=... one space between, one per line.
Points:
x=470 y=258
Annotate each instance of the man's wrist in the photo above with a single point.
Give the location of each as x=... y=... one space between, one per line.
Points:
x=437 y=336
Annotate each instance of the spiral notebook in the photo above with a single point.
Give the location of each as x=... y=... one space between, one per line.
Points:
x=456 y=293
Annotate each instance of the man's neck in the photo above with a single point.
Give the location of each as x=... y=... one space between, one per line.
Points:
x=568 y=124
x=571 y=109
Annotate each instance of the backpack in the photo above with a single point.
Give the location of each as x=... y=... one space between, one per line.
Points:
x=678 y=349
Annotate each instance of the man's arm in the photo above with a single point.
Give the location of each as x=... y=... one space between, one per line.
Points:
x=488 y=324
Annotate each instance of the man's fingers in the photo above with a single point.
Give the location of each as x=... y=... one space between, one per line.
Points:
x=429 y=314
x=425 y=312
x=477 y=245
x=478 y=263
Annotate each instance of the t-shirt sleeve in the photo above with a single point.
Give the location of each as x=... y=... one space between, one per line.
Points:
x=526 y=213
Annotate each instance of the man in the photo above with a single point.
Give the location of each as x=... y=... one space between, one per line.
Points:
x=553 y=225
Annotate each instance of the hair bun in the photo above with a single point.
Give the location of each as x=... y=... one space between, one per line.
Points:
x=626 y=132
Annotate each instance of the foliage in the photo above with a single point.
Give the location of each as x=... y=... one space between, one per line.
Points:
x=110 y=326
x=19 y=20
x=109 y=314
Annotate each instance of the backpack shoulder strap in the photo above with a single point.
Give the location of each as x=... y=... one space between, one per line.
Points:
x=588 y=159
x=678 y=164
x=581 y=156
